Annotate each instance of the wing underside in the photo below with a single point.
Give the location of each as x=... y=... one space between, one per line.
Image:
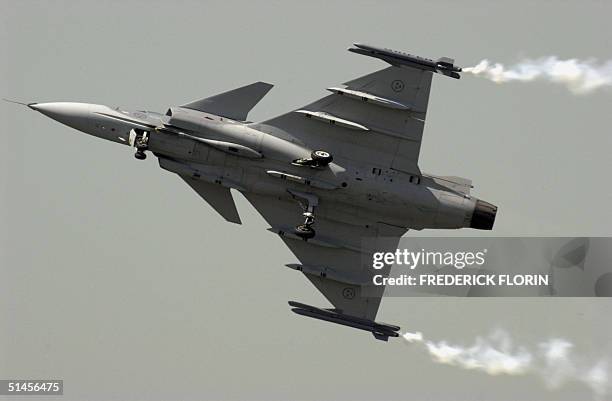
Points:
x=338 y=260
x=377 y=119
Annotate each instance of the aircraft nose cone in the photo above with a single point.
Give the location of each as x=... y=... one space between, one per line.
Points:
x=71 y=114
x=58 y=109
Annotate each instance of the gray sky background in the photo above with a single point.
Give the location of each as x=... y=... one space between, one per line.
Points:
x=117 y=278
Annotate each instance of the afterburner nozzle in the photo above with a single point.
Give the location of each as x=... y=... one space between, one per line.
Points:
x=483 y=217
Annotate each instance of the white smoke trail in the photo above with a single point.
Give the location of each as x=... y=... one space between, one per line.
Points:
x=497 y=355
x=580 y=77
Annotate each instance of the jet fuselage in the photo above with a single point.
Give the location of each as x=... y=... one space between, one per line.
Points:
x=238 y=155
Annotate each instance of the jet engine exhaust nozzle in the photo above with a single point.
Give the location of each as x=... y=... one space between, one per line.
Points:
x=483 y=217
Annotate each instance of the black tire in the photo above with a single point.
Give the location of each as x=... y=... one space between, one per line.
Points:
x=304 y=231
x=321 y=157
x=140 y=155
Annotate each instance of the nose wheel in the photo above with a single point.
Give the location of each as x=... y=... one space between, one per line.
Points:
x=140 y=155
x=140 y=140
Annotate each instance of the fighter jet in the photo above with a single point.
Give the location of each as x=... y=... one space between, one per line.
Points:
x=324 y=176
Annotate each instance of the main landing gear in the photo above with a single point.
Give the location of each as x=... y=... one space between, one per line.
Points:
x=304 y=231
x=140 y=140
x=318 y=159
x=308 y=202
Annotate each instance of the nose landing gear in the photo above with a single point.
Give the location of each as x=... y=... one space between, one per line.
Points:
x=140 y=140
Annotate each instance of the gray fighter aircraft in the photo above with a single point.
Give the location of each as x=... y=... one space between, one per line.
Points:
x=345 y=165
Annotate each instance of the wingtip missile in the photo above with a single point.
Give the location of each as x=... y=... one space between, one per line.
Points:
x=381 y=331
x=444 y=65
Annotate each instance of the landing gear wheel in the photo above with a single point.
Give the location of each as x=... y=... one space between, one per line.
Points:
x=140 y=140
x=321 y=157
x=304 y=231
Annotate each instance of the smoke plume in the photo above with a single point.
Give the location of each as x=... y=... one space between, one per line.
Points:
x=579 y=76
x=496 y=354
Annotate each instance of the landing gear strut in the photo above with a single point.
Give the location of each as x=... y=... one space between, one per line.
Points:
x=140 y=140
x=318 y=159
x=308 y=202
